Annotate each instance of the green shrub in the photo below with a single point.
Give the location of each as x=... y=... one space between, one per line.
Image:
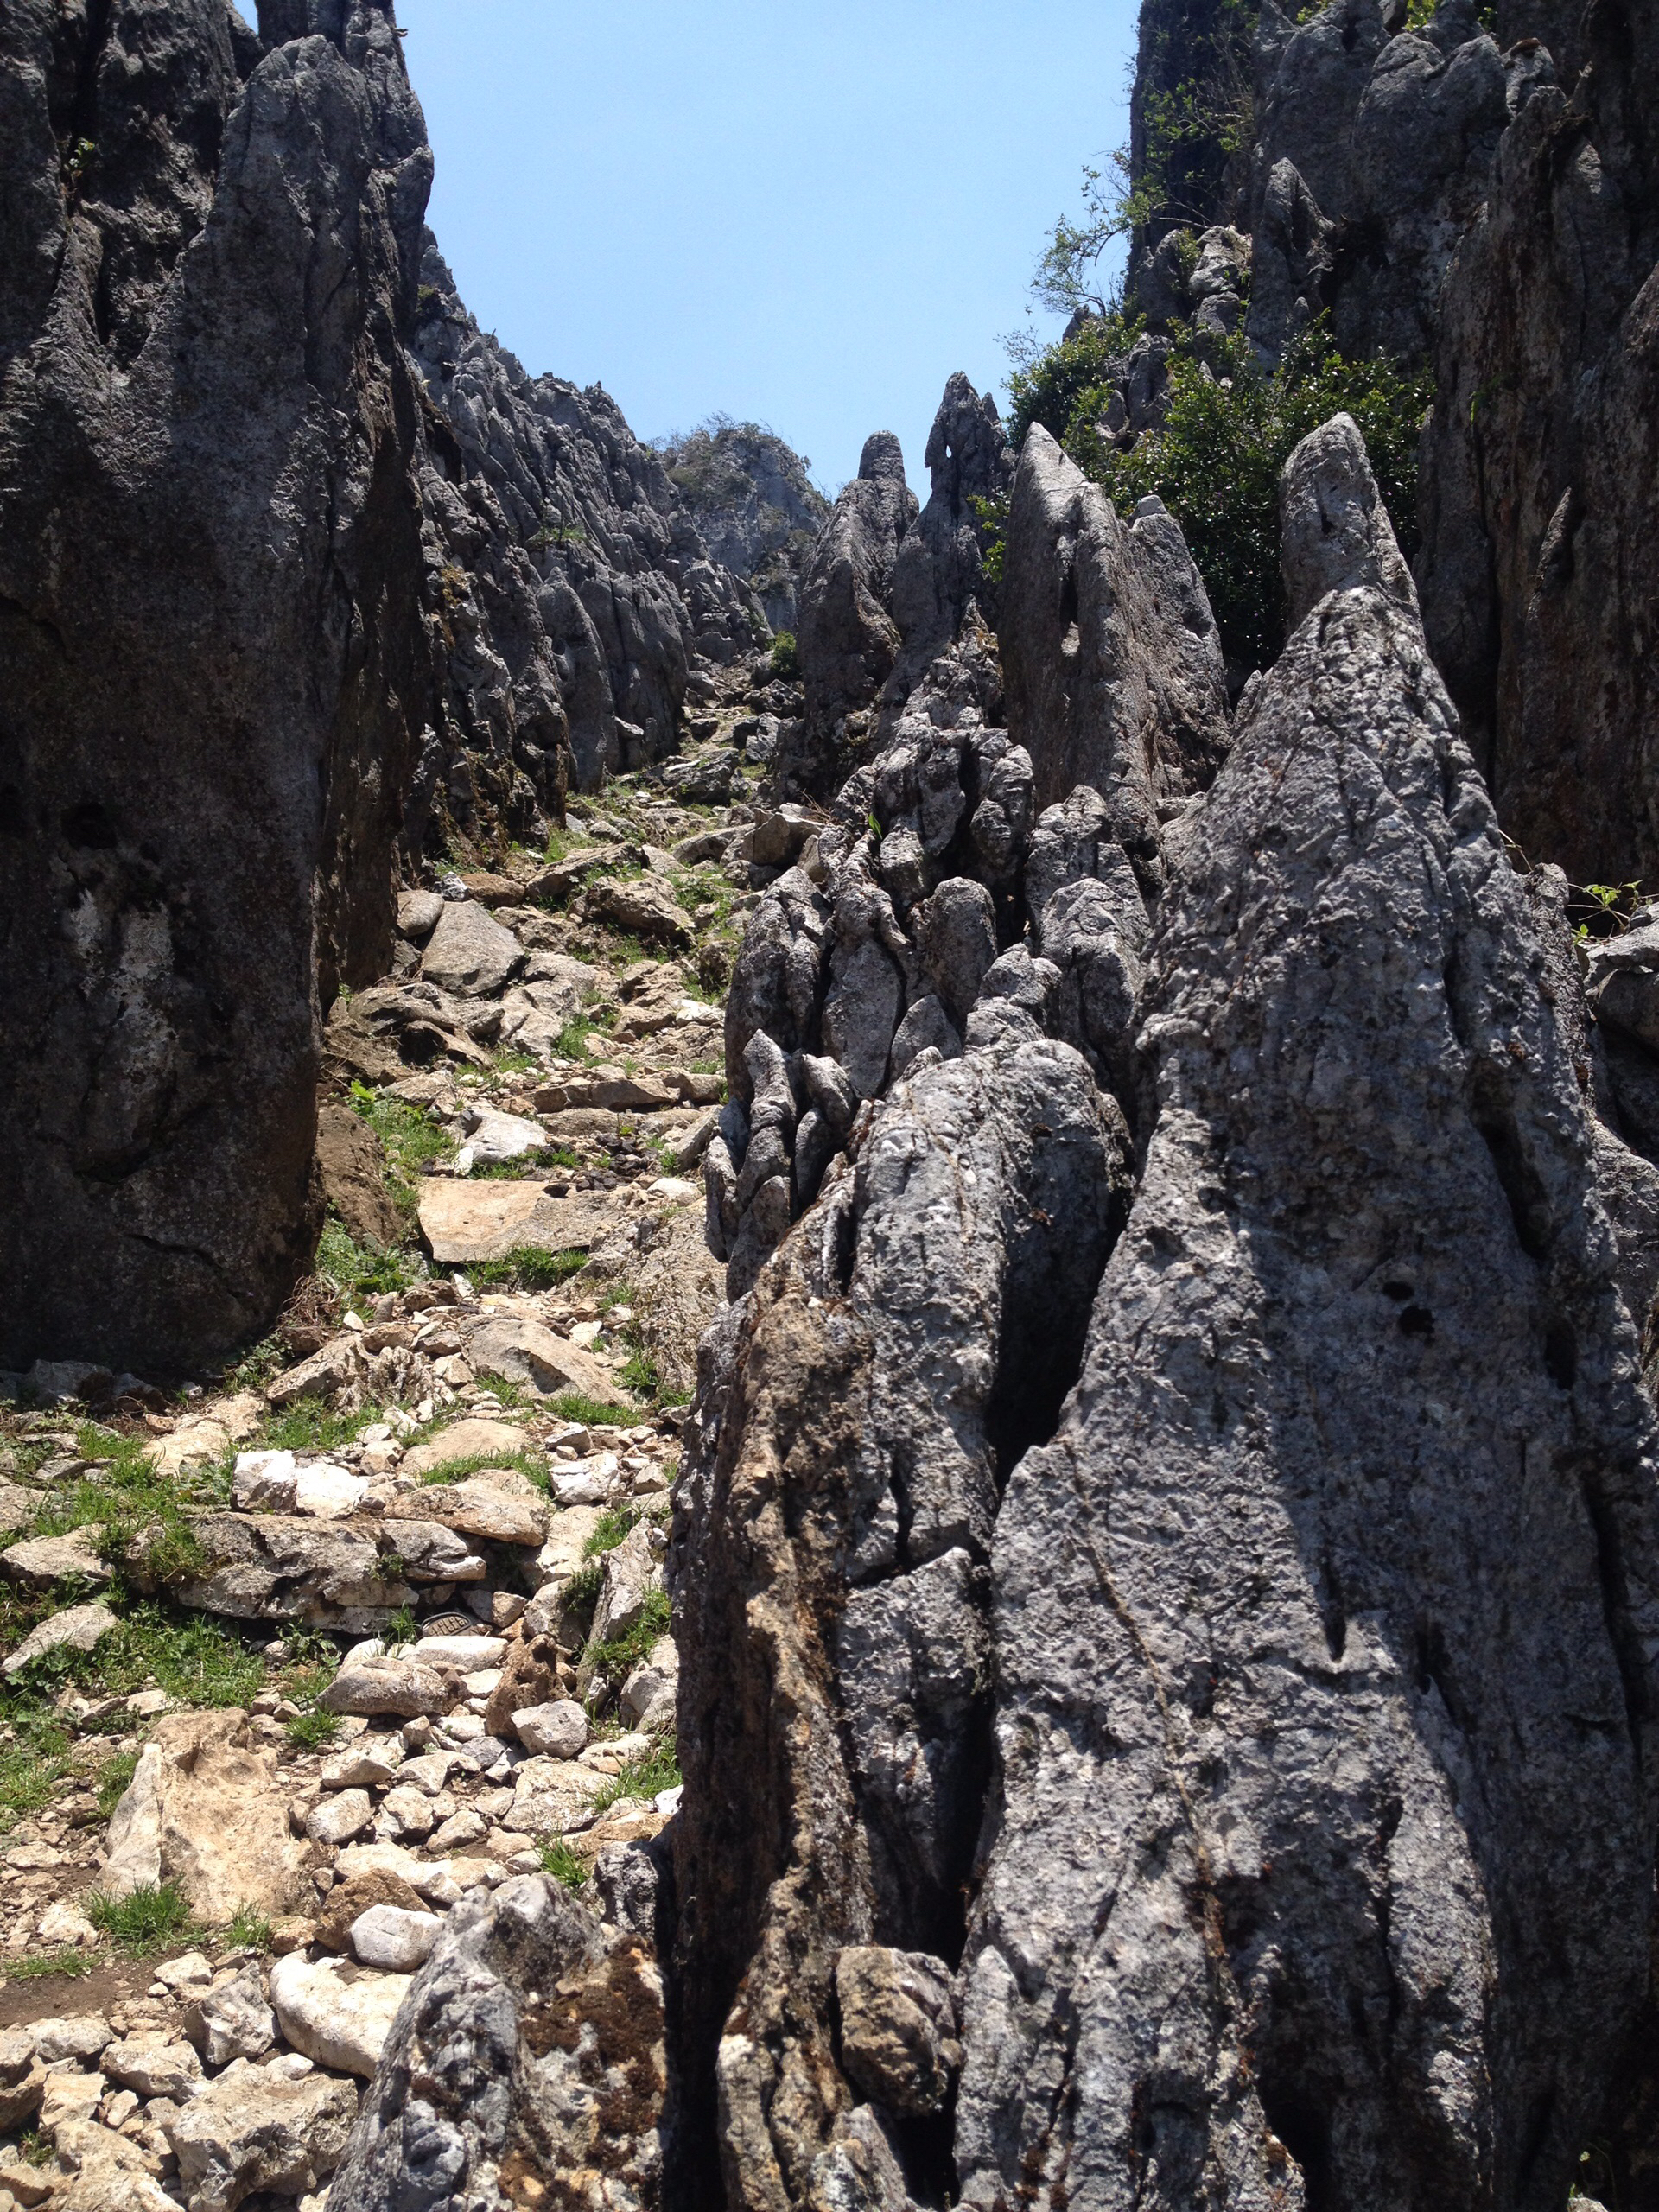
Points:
x=786 y=655
x=1216 y=462
x=1049 y=387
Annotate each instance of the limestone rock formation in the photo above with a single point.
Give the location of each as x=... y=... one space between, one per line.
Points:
x=214 y=667
x=571 y=591
x=848 y=639
x=1264 y=1898
x=1538 y=561
x=755 y=506
x=1111 y=657
x=1368 y=1184
x=525 y=2066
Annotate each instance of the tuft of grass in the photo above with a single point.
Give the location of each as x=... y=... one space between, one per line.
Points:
x=563 y=1863
x=30 y=1768
x=408 y=1138
x=112 y=1780
x=309 y=1426
x=612 y=1526
x=581 y=1592
x=623 y=1653
x=309 y=1731
x=154 y=1914
x=356 y=1272
x=454 y=1471
x=527 y=1267
x=68 y=1961
x=656 y=1769
x=249 y=1929
x=591 y=1412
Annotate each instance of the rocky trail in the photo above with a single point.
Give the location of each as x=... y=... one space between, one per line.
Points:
x=397 y=1634
x=858 y=1420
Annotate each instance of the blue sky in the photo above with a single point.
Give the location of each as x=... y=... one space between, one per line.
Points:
x=807 y=215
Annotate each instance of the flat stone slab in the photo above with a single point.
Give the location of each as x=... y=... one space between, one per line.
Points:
x=80 y=1626
x=464 y=1222
x=42 y=1559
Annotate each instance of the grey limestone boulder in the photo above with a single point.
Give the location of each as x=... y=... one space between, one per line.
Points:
x=527 y=2054
x=848 y=639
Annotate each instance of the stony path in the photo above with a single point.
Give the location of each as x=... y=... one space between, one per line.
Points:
x=296 y=1663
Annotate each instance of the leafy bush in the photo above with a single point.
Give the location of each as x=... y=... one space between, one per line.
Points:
x=1216 y=465
x=1049 y=387
x=786 y=655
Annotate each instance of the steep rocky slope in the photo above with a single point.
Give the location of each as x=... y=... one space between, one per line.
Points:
x=575 y=600
x=1076 y=1622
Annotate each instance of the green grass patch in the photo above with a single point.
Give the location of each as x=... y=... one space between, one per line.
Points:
x=309 y=1426
x=454 y=1471
x=358 y=1274
x=581 y=1593
x=45 y=1964
x=196 y=1659
x=623 y=1653
x=133 y=1502
x=596 y=1412
x=653 y=1770
x=408 y=1137
x=31 y=1767
x=527 y=1267
x=112 y=1780
x=309 y=1731
x=249 y=1929
x=563 y=1863
x=612 y=1526
x=153 y=1915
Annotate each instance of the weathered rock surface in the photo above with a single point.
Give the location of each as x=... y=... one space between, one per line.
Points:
x=336 y=2013
x=252 y=2130
x=208 y=430
x=1110 y=655
x=755 y=507
x=848 y=640
x=1538 y=563
x=202 y=1810
x=1369 y=1185
x=529 y=2054
x=572 y=584
x=896 y=1358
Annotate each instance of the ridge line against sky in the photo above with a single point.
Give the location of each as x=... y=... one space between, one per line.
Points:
x=806 y=217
